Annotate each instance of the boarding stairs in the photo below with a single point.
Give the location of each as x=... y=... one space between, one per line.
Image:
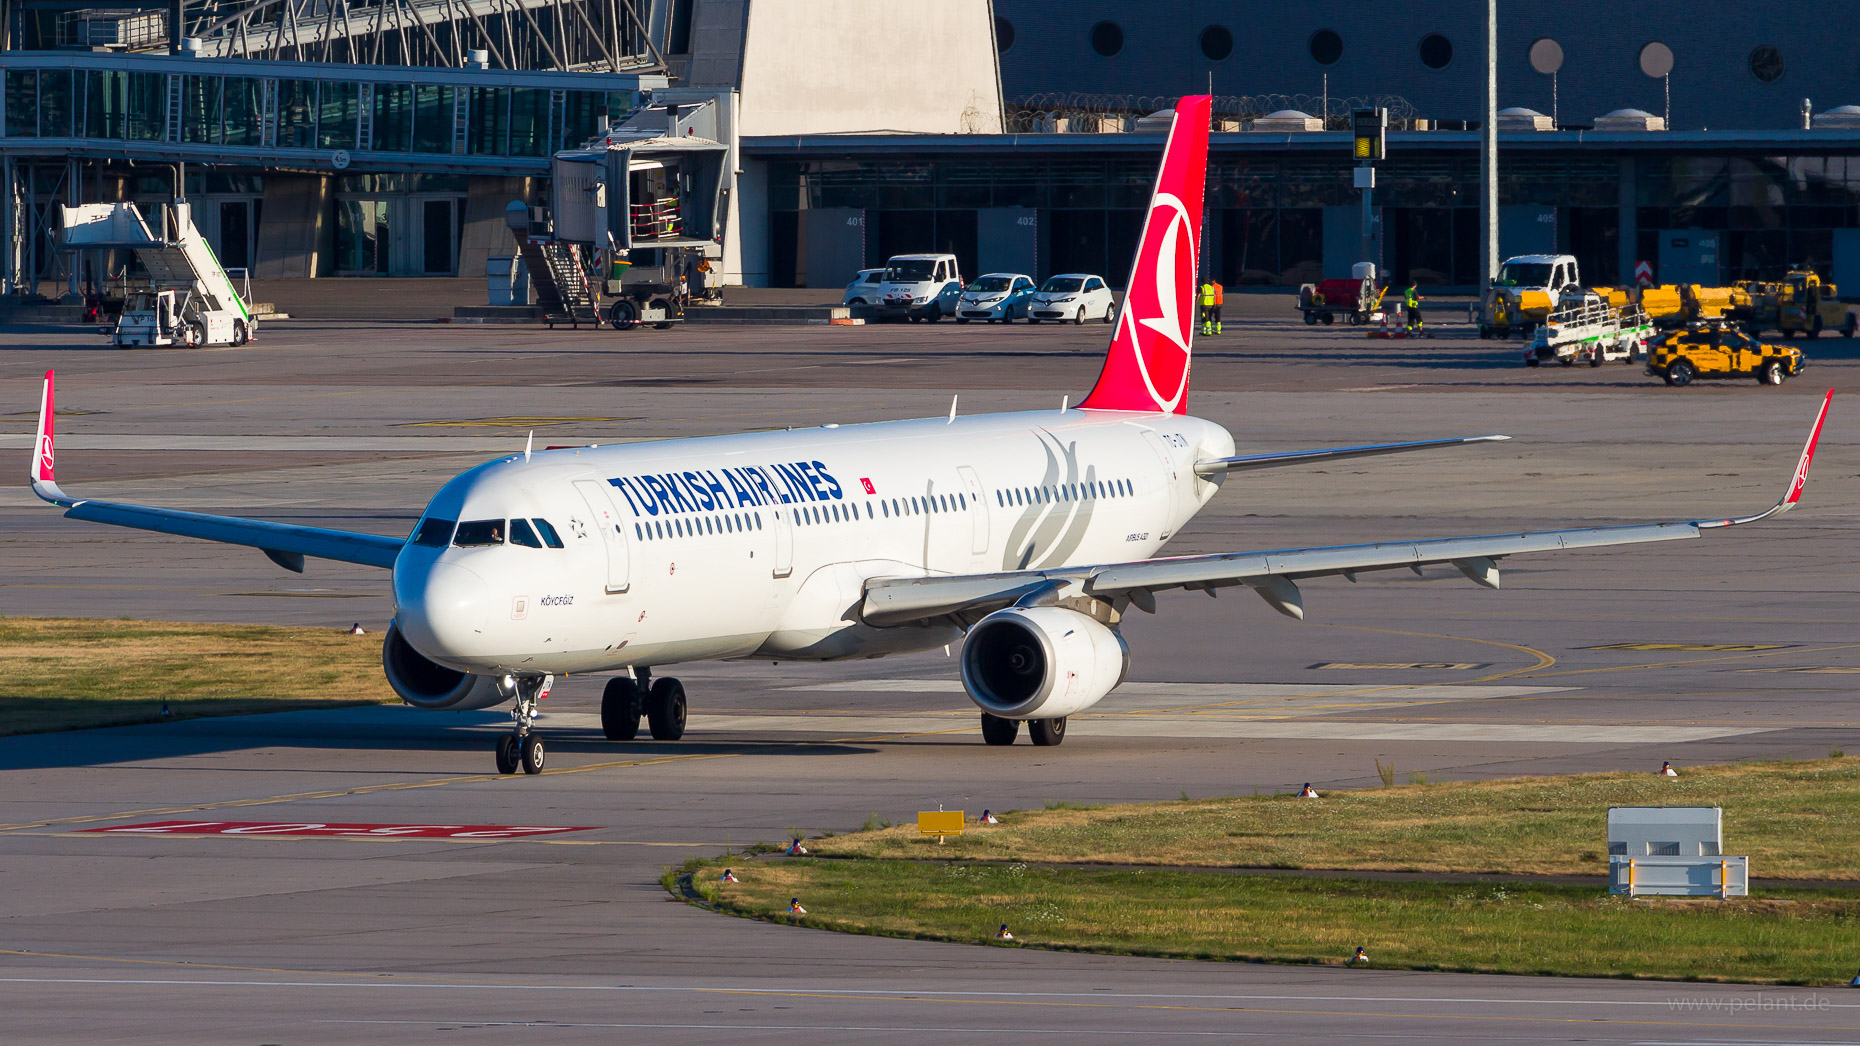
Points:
x=563 y=291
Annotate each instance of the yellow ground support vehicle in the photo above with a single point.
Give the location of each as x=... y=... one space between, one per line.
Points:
x=1664 y=305
x=1800 y=303
x=1709 y=350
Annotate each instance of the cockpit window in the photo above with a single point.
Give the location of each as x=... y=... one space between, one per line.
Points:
x=476 y=532
x=521 y=534
x=549 y=536
x=434 y=533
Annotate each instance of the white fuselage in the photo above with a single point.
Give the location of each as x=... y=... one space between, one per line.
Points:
x=760 y=544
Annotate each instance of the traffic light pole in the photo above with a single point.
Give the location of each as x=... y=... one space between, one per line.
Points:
x=1366 y=179
x=1368 y=143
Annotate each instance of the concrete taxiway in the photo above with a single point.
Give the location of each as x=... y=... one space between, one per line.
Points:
x=1738 y=645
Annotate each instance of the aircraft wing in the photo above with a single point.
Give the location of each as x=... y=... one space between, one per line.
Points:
x=1273 y=575
x=1249 y=462
x=285 y=544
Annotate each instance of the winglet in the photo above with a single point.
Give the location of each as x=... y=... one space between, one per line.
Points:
x=1798 y=482
x=44 y=482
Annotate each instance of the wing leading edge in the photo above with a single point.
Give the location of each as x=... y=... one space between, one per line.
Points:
x=284 y=543
x=1273 y=575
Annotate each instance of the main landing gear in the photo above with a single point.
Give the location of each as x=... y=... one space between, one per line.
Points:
x=521 y=749
x=1044 y=733
x=627 y=698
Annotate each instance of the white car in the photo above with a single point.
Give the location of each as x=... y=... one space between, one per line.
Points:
x=1074 y=296
x=920 y=286
x=863 y=290
x=996 y=297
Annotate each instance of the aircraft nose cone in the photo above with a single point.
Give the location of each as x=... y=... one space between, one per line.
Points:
x=442 y=610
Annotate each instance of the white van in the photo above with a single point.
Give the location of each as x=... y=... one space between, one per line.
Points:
x=921 y=286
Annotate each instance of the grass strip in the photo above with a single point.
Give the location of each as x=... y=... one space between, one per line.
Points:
x=1796 y=820
x=71 y=673
x=1785 y=937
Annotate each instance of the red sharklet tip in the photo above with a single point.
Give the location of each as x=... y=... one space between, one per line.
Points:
x=1800 y=482
x=42 y=451
x=1147 y=366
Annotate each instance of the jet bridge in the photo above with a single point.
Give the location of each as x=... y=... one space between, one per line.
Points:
x=660 y=179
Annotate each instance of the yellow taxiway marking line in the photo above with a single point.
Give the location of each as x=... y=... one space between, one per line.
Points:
x=400 y=786
x=357 y=838
x=1543 y=661
x=1695 y=661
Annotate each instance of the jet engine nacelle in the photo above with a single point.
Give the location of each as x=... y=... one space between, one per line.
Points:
x=1041 y=662
x=424 y=684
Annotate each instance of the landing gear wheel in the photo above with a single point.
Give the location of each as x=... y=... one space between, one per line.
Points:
x=620 y=708
x=623 y=315
x=1046 y=732
x=999 y=731
x=1771 y=373
x=665 y=710
x=1679 y=373
x=530 y=749
x=508 y=757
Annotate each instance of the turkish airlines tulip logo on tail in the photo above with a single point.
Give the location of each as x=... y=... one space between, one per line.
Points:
x=1166 y=308
x=1147 y=366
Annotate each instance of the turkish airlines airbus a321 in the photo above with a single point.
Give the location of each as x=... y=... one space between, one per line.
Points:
x=1024 y=537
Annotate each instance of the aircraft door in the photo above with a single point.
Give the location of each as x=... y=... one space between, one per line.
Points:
x=608 y=521
x=978 y=512
x=784 y=541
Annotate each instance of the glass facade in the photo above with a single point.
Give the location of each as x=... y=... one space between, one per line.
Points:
x=302 y=112
x=1267 y=214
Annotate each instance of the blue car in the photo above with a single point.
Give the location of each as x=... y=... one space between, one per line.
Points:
x=997 y=297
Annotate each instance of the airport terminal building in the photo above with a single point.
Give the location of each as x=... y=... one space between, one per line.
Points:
x=382 y=138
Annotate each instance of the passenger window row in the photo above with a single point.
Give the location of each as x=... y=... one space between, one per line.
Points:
x=1088 y=491
x=697 y=526
x=480 y=533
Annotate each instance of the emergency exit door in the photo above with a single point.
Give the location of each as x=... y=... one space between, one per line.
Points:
x=608 y=521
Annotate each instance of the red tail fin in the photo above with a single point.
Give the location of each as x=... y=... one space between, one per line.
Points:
x=1147 y=367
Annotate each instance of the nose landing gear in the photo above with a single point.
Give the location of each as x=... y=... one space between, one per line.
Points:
x=522 y=749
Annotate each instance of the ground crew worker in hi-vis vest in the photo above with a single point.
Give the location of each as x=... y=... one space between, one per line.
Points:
x=1211 y=295
x=1411 y=309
